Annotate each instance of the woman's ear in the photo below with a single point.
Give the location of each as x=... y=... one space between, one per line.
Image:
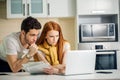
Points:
x=45 y=37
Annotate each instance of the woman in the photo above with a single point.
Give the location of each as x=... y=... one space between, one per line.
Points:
x=53 y=48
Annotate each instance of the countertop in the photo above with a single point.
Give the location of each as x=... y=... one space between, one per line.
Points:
x=115 y=75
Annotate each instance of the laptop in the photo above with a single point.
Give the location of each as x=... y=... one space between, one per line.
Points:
x=80 y=62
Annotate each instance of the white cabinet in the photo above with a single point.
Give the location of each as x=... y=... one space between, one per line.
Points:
x=61 y=8
x=97 y=6
x=118 y=60
x=23 y=8
x=40 y=8
x=96 y=12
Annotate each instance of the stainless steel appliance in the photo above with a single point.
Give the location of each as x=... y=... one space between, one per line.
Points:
x=106 y=59
x=97 y=32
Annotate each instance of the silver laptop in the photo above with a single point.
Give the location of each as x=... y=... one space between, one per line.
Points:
x=80 y=62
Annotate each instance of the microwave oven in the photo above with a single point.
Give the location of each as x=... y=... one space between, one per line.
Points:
x=97 y=32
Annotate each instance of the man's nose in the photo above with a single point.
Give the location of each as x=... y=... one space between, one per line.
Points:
x=35 y=38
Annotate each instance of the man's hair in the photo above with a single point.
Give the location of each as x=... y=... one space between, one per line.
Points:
x=30 y=23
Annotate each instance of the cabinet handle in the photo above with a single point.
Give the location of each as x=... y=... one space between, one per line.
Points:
x=23 y=9
x=48 y=6
x=27 y=9
x=98 y=11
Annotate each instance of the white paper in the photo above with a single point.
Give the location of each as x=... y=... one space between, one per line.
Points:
x=35 y=67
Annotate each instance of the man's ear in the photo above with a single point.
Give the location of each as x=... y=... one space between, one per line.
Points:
x=23 y=32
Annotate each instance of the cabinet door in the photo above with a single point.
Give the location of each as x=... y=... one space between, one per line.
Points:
x=97 y=6
x=85 y=6
x=15 y=8
x=24 y=8
x=61 y=8
x=107 y=6
x=37 y=8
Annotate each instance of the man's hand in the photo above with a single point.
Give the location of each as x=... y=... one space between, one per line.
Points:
x=33 y=49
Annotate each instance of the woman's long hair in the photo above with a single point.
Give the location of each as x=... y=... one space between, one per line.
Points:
x=51 y=25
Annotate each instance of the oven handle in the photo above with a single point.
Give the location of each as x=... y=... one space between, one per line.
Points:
x=105 y=52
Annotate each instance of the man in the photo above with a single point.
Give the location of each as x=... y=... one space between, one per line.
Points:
x=18 y=48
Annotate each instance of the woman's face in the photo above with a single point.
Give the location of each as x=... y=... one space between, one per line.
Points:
x=52 y=37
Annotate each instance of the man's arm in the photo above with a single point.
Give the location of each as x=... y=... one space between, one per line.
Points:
x=16 y=64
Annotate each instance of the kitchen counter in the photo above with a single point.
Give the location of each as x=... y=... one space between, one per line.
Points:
x=115 y=75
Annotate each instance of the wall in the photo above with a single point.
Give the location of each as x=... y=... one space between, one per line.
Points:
x=8 y=26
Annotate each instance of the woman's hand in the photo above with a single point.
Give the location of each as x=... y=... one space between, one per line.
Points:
x=61 y=68
x=51 y=70
x=58 y=69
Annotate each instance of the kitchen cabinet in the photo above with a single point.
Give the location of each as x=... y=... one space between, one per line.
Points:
x=23 y=8
x=96 y=12
x=97 y=7
x=118 y=60
x=40 y=8
x=61 y=8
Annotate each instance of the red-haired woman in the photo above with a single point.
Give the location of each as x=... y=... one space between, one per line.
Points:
x=52 y=48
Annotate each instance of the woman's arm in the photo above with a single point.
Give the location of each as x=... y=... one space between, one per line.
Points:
x=41 y=57
x=66 y=48
x=61 y=67
x=56 y=69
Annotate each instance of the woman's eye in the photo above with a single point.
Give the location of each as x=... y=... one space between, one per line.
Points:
x=51 y=36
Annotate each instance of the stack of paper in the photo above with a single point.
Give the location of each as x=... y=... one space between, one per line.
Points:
x=35 y=67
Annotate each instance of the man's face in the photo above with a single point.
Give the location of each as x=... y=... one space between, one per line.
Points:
x=31 y=36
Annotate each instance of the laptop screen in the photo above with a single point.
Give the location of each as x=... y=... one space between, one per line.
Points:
x=80 y=62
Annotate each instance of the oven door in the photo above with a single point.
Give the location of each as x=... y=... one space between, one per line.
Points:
x=106 y=60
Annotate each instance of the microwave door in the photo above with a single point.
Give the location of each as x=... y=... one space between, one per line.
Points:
x=86 y=30
x=99 y=30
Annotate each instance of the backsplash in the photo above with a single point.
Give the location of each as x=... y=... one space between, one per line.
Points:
x=8 y=26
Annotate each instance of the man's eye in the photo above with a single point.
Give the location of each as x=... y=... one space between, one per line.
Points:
x=32 y=35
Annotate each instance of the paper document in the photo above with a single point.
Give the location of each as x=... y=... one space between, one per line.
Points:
x=35 y=67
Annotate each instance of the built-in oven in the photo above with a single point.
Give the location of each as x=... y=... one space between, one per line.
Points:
x=106 y=59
